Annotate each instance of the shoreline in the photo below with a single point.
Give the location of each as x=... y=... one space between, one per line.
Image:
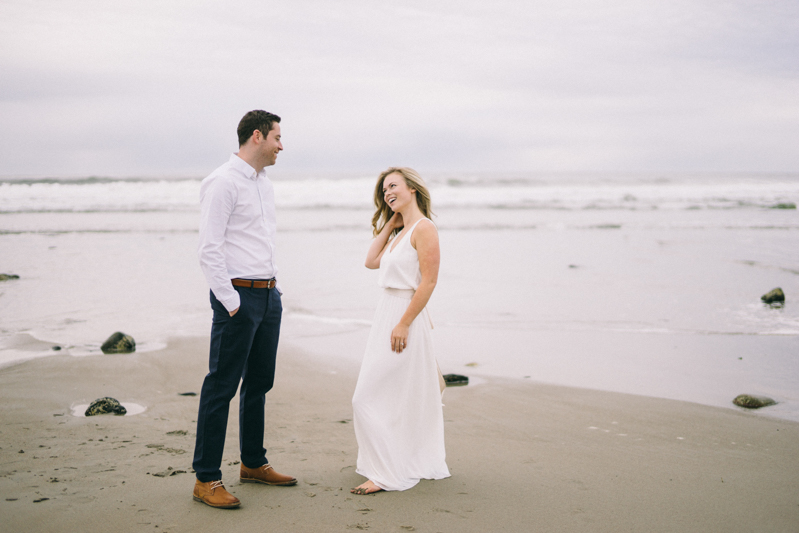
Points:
x=523 y=455
x=332 y=342
x=662 y=304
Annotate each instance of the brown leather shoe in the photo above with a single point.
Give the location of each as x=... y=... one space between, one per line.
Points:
x=214 y=494
x=267 y=475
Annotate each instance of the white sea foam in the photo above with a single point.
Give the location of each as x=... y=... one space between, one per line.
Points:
x=355 y=193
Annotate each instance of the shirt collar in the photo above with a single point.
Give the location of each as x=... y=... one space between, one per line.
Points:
x=244 y=167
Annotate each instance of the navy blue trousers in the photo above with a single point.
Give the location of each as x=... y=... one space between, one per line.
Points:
x=243 y=349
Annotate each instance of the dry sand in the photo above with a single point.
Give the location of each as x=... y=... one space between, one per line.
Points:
x=524 y=456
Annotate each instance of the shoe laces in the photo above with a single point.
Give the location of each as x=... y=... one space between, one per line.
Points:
x=217 y=484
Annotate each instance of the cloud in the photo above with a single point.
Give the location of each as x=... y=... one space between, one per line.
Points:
x=135 y=88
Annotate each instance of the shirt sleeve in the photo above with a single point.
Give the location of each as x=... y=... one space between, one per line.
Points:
x=217 y=201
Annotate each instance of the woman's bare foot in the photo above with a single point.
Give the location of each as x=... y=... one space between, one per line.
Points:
x=366 y=488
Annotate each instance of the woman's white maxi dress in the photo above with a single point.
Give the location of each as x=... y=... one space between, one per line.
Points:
x=397 y=410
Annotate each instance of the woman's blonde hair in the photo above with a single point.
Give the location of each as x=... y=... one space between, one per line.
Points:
x=414 y=182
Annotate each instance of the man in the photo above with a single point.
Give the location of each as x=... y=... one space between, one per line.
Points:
x=237 y=256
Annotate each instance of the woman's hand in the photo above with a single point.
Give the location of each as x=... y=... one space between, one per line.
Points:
x=379 y=244
x=399 y=338
x=395 y=222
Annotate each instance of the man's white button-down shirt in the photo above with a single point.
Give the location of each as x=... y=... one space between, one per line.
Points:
x=237 y=228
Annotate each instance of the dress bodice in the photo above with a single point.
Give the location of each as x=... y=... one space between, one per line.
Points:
x=399 y=268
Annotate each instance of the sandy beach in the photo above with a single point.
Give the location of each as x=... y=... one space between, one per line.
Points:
x=524 y=456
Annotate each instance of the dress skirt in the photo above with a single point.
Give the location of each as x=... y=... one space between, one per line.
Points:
x=397 y=410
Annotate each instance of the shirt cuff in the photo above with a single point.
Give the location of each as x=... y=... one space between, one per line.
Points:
x=231 y=300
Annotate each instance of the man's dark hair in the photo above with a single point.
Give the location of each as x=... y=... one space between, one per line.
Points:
x=255 y=120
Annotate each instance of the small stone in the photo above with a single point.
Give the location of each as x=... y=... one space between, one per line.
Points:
x=454 y=380
x=775 y=295
x=752 y=402
x=187 y=394
x=178 y=432
x=471 y=364
x=105 y=405
x=56 y=348
x=6 y=277
x=119 y=343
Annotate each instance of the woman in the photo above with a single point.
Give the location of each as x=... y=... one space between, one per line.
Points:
x=399 y=423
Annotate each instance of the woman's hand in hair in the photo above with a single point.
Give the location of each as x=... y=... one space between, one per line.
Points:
x=379 y=244
x=395 y=222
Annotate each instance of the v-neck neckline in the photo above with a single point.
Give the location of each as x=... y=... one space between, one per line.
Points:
x=394 y=245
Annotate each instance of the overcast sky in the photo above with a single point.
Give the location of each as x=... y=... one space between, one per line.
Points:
x=149 y=88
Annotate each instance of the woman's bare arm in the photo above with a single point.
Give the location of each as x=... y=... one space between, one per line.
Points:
x=425 y=240
x=379 y=243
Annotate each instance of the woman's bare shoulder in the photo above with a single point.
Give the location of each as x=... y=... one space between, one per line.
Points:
x=427 y=226
x=426 y=230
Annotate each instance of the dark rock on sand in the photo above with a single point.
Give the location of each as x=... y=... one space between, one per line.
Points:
x=119 y=343
x=187 y=394
x=6 y=277
x=774 y=296
x=752 y=402
x=453 y=380
x=105 y=405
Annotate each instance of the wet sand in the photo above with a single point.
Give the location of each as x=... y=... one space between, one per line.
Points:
x=524 y=456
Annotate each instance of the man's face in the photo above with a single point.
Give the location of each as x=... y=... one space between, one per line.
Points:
x=271 y=145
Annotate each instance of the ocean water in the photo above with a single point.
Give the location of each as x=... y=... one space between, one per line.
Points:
x=640 y=284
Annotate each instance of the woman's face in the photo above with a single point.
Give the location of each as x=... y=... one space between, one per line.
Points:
x=396 y=192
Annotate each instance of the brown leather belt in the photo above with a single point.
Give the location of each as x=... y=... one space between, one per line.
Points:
x=254 y=283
